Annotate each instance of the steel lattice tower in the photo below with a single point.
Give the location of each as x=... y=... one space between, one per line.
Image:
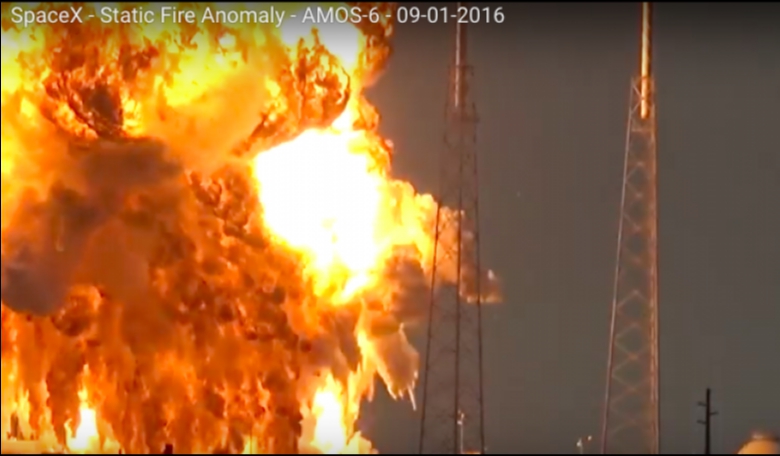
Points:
x=631 y=409
x=452 y=406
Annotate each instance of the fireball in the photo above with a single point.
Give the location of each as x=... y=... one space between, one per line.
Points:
x=203 y=244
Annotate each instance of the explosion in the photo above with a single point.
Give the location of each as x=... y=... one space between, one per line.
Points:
x=202 y=243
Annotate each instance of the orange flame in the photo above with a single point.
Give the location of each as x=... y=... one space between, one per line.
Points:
x=270 y=296
x=86 y=437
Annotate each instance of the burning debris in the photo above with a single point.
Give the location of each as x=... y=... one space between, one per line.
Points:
x=202 y=246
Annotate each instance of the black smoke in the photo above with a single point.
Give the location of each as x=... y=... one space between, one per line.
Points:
x=43 y=255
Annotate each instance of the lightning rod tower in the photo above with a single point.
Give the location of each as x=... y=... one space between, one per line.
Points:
x=452 y=406
x=631 y=409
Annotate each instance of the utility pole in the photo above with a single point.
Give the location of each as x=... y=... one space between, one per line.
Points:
x=631 y=406
x=707 y=421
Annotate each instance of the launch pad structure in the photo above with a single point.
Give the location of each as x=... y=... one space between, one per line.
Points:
x=631 y=420
x=452 y=418
x=452 y=405
x=453 y=388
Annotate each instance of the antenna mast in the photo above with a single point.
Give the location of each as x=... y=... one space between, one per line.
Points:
x=631 y=409
x=452 y=382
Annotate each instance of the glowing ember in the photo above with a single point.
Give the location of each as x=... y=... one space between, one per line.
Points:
x=202 y=242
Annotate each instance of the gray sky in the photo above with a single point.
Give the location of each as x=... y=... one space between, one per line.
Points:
x=551 y=86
